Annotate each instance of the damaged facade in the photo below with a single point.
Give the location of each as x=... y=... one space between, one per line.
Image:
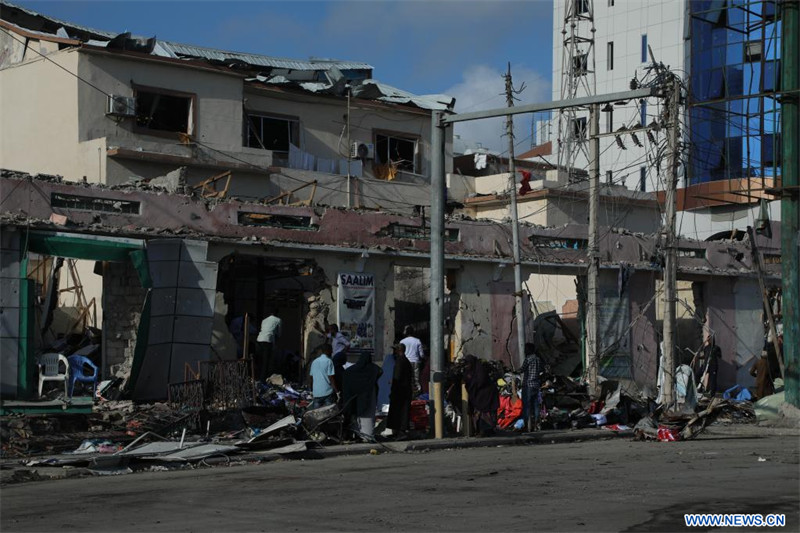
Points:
x=214 y=185
x=204 y=247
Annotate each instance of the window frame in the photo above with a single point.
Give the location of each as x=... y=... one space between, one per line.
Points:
x=274 y=116
x=192 y=125
x=610 y=55
x=402 y=136
x=644 y=48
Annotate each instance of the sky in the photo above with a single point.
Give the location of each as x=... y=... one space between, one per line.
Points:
x=460 y=48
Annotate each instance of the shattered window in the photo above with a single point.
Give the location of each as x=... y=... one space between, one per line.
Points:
x=164 y=111
x=271 y=133
x=397 y=150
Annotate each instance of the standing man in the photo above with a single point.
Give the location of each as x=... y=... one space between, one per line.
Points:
x=340 y=345
x=323 y=384
x=414 y=354
x=532 y=382
x=265 y=344
x=713 y=355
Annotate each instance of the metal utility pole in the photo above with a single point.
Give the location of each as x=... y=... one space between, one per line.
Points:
x=790 y=197
x=671 y=265
x=440 y=122
x=759 y=264
x=512 y=178
x=592 y=337
x=437 y=272
x=349 y=146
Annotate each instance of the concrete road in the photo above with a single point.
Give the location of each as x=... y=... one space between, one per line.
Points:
x=592 y=486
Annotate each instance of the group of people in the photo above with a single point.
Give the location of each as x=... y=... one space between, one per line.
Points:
x=763 y=369
x=484 y=399
x=357 y=387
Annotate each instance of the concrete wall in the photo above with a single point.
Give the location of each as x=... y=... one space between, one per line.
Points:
x=10 y=255
x=734 y=316
x=123 y=298
x=702 y=223
x=39 y=110
x=564 y=203
x=181 y=314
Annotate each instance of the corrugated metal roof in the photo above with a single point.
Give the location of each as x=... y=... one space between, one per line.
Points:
x=188 y=50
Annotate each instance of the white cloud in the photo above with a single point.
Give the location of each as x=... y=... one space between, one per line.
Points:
x=483 y=87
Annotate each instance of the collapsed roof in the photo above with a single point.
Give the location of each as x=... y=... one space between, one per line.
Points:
x=315 y=75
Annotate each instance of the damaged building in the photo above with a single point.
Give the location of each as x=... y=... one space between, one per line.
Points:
x=170 y=284
x=185 y=187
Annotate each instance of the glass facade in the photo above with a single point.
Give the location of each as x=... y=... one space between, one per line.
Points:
x=734 y=116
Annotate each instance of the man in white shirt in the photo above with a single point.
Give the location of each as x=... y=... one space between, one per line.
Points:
x=271 y=328
x=414 y=354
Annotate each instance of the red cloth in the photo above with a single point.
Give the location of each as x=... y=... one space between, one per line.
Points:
x=420 y=419
x=595 y=407
x=509 y=411
x=525 y=186
x=666 y=434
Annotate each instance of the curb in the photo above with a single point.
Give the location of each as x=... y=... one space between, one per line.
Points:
x=560 y=437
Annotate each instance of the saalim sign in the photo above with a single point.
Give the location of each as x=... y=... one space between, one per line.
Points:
x=356 y=306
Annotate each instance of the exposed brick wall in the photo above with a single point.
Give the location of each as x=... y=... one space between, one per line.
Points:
x=123 y=297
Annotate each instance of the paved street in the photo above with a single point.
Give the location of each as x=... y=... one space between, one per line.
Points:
x=591 y=486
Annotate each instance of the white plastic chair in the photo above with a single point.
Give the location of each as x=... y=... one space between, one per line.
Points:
x=49 y=370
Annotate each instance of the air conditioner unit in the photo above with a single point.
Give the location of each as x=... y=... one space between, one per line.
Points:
x=359 y=150
x=121 y=106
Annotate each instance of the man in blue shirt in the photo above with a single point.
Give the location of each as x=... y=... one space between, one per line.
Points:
x=323 y=384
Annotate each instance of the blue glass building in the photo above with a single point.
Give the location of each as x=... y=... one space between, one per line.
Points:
x=734 y=114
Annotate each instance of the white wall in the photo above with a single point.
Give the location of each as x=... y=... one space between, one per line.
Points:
x=624 y=23
x=38 y=116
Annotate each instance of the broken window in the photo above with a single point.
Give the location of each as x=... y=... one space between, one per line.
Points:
x=403 y=231
x=398 y=150
x=88 y=203
x=697 y=253
x=541 y=241
x=271 y=132
x=276 y=221
x=163 y=110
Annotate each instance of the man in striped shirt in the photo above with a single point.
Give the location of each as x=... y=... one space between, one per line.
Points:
x=532 y=369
